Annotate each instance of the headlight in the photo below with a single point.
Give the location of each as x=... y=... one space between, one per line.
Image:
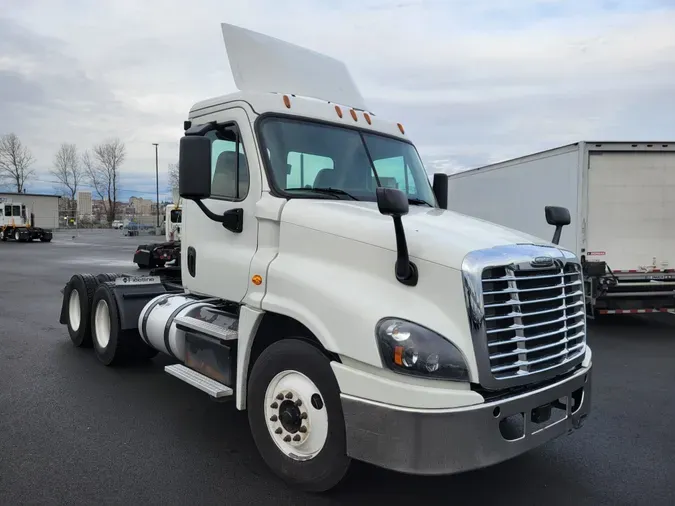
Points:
x=409 y=348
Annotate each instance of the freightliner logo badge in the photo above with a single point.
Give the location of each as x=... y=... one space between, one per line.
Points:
x=543 y=261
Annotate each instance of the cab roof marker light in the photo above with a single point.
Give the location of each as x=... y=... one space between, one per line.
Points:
x=367 y=116
x=400 y=127
x=287 y=102
x=353 y=113
x=338 y=111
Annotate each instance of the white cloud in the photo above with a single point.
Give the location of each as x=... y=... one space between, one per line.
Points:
x=473 y=82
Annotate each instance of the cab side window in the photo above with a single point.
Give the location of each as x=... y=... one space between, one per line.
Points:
x=230 y=178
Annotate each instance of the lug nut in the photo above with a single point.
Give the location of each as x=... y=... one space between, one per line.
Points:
x=274 y=405
x=287 y=439
x=278 y=431
x=274 y=418
x=298 y=403
x=296 y=437
x=280 y=397
x=289 y=395
x=303 y=429
x=303 y=416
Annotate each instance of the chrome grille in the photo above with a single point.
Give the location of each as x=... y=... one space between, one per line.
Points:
x=534 y=318
x=525 y=304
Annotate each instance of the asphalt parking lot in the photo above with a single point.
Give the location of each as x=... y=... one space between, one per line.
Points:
x=75 y=432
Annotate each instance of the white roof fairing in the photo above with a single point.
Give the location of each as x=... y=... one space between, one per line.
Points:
x=261 y=63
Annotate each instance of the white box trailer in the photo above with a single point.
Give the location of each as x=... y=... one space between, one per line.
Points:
x=621 y=198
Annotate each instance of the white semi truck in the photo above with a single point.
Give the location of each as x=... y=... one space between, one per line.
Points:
x=15 y=223
x=326 y=292
x=159 y=254
x=622 y=200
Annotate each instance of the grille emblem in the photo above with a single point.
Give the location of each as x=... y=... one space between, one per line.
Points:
x=543 y=261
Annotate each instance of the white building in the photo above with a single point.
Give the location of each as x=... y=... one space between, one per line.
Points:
x=84 y=205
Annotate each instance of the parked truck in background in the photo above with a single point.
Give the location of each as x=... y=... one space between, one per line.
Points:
x=16 y=225
x=622 y=200
x=167 y=252
x=352 y=319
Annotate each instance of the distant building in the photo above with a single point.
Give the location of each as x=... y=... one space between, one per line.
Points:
x=84 y=204
x=141 y=206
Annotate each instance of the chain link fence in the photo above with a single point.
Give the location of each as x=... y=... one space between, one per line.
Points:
x=128 y=224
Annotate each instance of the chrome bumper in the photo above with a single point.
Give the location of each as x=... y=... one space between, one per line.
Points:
x=448 y=441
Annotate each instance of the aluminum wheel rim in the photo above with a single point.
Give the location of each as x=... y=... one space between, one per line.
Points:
x=74 y=314
x=297 y=426
x=102 y=324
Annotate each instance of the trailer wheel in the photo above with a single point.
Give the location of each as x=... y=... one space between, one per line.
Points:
x=111 y=344
x=78 y=295
x=295 y=415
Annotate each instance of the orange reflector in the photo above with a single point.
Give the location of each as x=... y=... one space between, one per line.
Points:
x=257 y=279
x=398 y=355
x=367 y=116
x=287 y=101
x=400 y=127
x=353 y=113
x=338 y=111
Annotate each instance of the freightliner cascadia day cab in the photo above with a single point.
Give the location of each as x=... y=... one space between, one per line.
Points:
x=325 y=289
x=621 y=199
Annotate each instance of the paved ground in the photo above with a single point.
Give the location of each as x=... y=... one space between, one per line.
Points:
x=73 y=432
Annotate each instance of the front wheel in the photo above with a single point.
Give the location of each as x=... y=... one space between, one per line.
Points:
x=295 y=415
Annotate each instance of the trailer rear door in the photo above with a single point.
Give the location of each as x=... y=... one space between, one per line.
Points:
x=631 y=207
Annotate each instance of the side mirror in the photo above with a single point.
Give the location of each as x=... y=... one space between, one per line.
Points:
x=440 y=186
x=194 y=167
x=394 y=203
x=391 y=201
x=558 y=217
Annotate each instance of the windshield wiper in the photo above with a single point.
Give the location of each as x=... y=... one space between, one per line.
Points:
x=419 y=201
x=329 y=191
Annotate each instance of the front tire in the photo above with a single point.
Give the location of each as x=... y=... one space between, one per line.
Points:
x=295 y=415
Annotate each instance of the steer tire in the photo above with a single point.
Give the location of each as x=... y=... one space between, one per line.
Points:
x=325 y=469
x=79 y=292
x=112 y=345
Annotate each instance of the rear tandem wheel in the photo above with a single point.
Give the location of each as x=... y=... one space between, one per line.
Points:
x=113 y=345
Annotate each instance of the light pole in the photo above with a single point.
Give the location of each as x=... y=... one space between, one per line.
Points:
x=157 y=178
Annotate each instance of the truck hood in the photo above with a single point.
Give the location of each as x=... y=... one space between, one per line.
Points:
x=435 y=235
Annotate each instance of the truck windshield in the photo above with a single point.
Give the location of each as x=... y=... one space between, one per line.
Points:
x=324 y=161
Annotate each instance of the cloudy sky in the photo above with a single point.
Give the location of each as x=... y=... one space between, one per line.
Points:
x=474 y=82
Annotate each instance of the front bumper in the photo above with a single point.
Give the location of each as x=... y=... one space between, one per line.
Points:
x=433 y=441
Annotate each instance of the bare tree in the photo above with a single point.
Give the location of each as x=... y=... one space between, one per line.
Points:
x=15 y=161
x=102 y=169
x=68 y=170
